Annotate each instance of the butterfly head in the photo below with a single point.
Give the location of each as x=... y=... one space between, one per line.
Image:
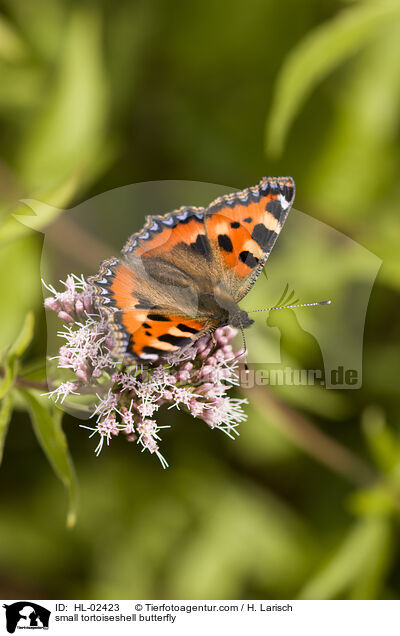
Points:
x=240 y=319
x=229 y=312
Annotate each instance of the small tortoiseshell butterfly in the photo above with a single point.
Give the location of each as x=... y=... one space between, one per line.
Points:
x=185 y=272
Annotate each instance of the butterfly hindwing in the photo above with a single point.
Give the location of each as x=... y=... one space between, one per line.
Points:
x=150 y=315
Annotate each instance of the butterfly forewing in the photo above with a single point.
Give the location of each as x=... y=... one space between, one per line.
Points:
x=243 y=228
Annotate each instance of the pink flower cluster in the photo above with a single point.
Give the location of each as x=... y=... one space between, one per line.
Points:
x=127 y=397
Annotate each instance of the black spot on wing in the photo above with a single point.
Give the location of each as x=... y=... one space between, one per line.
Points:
x=288 y=193
x=158 y=317
x=262 y=235
x=142 y=303
x=177 y=341
x=186 y=328
x=131 y=347
x=153 y=350
x=248 y=219
x=201 y=246
x=235 y=225
x=225 y=242
x=248 y=259
x=275 y=208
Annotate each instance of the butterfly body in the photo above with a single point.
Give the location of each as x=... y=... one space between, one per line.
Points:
x=185 y=272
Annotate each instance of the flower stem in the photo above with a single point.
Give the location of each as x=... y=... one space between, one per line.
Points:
x=29 y=384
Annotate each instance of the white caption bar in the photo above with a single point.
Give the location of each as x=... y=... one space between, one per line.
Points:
x=177 y=617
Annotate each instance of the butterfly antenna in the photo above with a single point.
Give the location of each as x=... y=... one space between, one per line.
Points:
x=317 y=304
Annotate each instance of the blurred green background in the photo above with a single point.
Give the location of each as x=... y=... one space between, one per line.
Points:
x=95 y=95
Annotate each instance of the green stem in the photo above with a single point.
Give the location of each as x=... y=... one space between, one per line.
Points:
x=30 y=384
x=312 y=440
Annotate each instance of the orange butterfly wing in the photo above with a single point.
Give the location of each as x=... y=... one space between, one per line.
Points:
x=243 y=227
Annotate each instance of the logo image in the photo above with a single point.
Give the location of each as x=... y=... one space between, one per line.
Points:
x=26 y=615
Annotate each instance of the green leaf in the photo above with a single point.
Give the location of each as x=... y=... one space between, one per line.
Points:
x=25 y=336
x=358 y=564
x=15 y=352
x=48 y=430
x=384 y=446
x=316 y=56
x=18 y=223
x=379 y=500
x=5 y=416
x=68 y=136
x=20 y=285
x=12 y=47
x=10 y=372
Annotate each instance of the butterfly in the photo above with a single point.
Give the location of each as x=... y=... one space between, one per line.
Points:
x=185 y=272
